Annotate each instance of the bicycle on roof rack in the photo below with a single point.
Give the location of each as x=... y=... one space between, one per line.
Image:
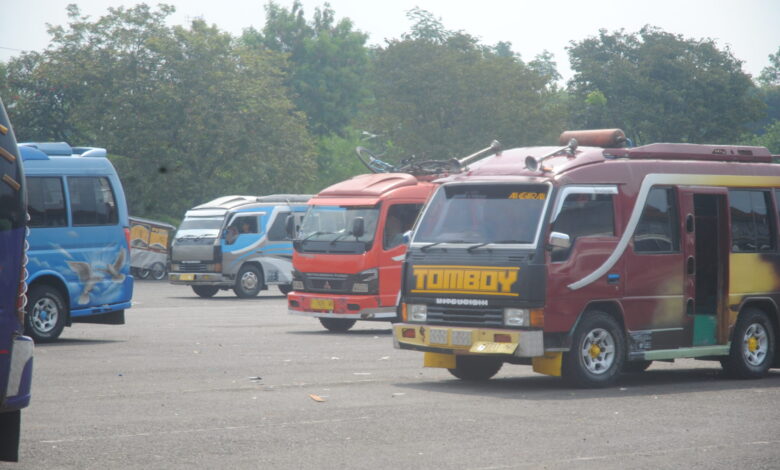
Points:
x=424 y=167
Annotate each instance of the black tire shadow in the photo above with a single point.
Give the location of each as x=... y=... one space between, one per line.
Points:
x=77 y=341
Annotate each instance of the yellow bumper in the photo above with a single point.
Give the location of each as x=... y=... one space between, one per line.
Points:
x=460 y=340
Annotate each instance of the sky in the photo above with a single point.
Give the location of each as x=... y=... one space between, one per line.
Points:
x=750 y=28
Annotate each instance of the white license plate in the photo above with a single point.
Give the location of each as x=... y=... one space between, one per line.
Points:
x=461 y=338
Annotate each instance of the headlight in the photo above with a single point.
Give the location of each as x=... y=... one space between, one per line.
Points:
x=368 y=275
x=175 y=267
x=417 y=312
x=297 y=285
x=517 y=317
x=360 y=288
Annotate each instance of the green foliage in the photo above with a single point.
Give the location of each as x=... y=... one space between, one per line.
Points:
x=327 y=62
x=661 y=87
x=186 y=114
x=769 y=138
x=440 y=94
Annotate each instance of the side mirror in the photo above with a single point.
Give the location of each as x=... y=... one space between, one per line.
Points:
x=231 y=234
x=289 y=226
x=560 y=240
x=358 y=227
x=407 y=237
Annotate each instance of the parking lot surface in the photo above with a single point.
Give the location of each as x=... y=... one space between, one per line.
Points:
x=239 y=383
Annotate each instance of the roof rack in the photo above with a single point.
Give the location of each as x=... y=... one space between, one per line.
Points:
x=715 y=153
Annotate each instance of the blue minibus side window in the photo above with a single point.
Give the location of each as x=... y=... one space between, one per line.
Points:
x=46 y=202
x=92 y=201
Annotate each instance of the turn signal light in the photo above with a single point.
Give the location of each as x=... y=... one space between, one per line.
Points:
x=537 y=317
x=409 y=333
x=502 y=338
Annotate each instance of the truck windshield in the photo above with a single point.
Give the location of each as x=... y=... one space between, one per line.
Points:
x=202 y=225
x=483 y=214
x=334 y=224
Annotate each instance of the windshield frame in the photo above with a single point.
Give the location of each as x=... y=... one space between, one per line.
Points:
x=418 y=245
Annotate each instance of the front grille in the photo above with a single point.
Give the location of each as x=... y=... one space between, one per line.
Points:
x=194 y=267
x=466 y=316
x=334 y=283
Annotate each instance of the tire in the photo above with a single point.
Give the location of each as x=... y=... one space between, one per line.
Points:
x=46 y=314
x=598 y=352
x=476 y=368
x=158 y=271
x=285 y=288
x=752 y=346
x=205 y=291
x=249 y=282
x=337 y=325
x=636 y=366
x=143 y=273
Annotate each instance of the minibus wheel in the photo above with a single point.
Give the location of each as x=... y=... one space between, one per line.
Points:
x=46 y=313
x=205 y=291
x=337 y=325
x=597 y=353
x=752 y=346
x=249 y=282
x=476 y=368
x=158 y=271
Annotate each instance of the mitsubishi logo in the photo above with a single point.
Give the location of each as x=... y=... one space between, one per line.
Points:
x=327 y=285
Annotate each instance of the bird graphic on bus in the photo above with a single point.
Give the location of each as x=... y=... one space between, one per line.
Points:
x=89 y=277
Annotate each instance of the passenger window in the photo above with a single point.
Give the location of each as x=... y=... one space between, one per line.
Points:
x=584 y=215
x=278 y=230
x=752 y=226
x=400 y=219
x=46 y=202
x=92 y=201
x=658 y=230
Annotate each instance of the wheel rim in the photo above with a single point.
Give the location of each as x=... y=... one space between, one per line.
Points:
x=755 y=344
x=597 y=351
x=249 y=281
x=45 y=314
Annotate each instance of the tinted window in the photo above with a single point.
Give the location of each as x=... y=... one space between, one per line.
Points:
x=752 y=227
x=658 y=230
x=46 y=202
x=584 y=215
x=278 y=230
x=400 y=219
x=92 y=201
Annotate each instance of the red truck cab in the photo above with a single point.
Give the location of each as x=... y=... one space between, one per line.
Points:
x=350 y=247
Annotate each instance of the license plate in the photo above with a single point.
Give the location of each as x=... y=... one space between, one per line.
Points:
x=493 y=348
x=322 y=304
x=186 y=277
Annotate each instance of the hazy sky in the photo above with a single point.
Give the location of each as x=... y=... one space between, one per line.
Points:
x=751 y=28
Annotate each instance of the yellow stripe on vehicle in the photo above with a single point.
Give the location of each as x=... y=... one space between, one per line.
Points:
x=7 y=155
x=11 y=182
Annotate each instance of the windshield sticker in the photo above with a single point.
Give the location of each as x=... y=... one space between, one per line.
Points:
x=483 y=280
x=527 y=195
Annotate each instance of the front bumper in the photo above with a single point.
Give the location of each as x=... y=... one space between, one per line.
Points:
x=347 y=307
x=464 y=340
x=200 y=279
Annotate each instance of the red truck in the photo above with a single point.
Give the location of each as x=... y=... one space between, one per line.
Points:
x=352 y=241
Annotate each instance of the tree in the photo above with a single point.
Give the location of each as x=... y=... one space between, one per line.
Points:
x=659 y=86
x=186 y=113
x=327 y=62
x=440 y=94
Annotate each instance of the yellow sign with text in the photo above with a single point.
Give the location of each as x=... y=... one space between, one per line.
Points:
x=480 y=280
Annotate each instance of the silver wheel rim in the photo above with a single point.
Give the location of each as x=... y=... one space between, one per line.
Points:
x=755 y=344
x=597 y=351
x=249 y=281
x=45 y=314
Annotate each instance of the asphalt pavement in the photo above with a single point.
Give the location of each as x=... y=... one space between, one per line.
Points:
x=238 y=383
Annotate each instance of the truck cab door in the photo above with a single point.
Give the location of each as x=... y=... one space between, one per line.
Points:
x=398 y=219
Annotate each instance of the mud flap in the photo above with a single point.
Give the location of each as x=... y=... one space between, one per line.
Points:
x=446 y=361
x=549 y=364
x=10 y=424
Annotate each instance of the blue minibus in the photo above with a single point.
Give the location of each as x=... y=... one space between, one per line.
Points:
x=79 y=258
x=16 y=350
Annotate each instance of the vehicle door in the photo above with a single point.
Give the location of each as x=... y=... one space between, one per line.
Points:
x=398 y=219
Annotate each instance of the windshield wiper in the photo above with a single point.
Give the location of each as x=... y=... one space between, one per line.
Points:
x=339 y=237
x=478 y=245
x=431 y=245
x=313 y=234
